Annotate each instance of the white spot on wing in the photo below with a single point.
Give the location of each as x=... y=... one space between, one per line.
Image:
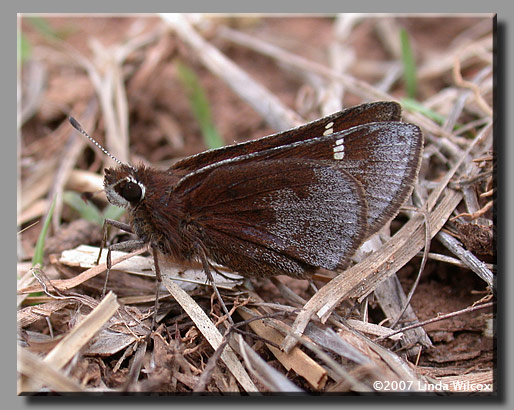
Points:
x=329 y=128
x=339 y=149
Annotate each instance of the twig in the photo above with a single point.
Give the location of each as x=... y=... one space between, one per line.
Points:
x=451 y=260
x=211 y=365
x=470 y=260
x=426 y=249
x=437 y=319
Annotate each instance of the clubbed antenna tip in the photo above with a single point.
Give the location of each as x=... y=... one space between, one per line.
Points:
x=79 y=128
x=75 y=124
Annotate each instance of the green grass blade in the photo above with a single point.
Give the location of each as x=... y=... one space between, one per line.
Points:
x=409 y=65
x=24 y=49
x=87 y=211
x=414 y=106
x=43 y=26
x=200 y=106
x=40 y=244
x=113 y=212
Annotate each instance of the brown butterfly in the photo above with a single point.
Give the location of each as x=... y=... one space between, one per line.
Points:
x=285 y=204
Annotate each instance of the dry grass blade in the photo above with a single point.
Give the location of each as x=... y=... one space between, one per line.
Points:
x=209 y=331
x=278 y=116
x=296 y=359
x=86 y=275
x=44 y=373
x=78 y=337
x=372 y=329
x=267 y=375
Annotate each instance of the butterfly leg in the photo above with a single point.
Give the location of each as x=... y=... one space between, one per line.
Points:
x=127 y=246
x=157 y=286
x=207 y=269
x=111 y=222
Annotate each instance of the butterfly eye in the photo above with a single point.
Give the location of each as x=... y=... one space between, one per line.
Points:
x=131 y=192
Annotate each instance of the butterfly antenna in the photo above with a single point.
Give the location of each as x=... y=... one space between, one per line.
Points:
x=79 y=128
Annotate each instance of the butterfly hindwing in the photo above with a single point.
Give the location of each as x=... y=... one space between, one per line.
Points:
x=285 y=216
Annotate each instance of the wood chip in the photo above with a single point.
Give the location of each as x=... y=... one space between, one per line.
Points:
x=296 y=359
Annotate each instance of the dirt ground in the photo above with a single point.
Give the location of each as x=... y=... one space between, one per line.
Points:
x=163 y=129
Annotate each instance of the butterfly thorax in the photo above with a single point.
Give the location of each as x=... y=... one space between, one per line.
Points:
x=155 y=214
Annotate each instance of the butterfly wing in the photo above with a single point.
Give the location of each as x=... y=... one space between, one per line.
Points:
x=273 y=217
x=381 y=111
x=385 y=157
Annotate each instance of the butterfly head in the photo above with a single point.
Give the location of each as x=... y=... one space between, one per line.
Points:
x=122 y=186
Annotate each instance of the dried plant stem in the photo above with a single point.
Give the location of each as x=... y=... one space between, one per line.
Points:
x=467 y=258
x=358 y=87
x=276 y=114
x=438 y=318
x=210 y=332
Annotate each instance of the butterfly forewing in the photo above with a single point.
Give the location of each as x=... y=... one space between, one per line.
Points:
x=381 y=111
x=283 y=216
x=384 y=157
